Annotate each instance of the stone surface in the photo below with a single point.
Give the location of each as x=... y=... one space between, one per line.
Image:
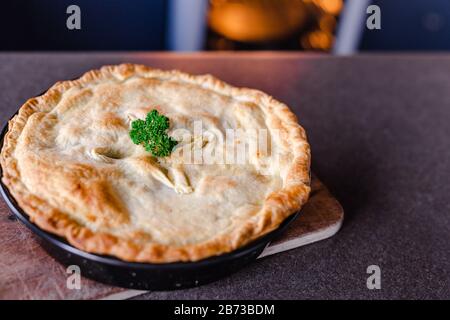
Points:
x=379 y=130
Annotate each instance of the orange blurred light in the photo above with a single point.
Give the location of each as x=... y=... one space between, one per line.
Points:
x=320 y=40
x=331 y=6
x=327 y=22
x=255 y=21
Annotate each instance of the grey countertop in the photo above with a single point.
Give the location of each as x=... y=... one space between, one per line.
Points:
x=379 y=127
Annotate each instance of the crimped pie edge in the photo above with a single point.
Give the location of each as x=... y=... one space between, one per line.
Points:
x=276 y=208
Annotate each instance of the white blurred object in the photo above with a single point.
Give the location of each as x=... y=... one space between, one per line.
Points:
x=186 y=24
x=351 y=27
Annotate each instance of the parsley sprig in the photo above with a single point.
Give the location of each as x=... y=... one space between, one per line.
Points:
x=151 y=132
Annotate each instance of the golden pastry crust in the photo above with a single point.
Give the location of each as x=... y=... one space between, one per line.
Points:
x=85 y=197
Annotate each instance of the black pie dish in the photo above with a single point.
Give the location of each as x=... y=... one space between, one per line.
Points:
x=142 y=276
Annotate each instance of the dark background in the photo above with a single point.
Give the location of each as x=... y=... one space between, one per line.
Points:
x=410 y=25
x=106 y=25
x=40 y=25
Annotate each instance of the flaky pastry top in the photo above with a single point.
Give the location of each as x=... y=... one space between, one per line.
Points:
x=69 y=162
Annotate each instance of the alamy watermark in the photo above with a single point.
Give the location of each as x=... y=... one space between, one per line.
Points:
x=227 y=147
x=373 y=22
x=73 y=281
x=374 y=280
x=73 y=21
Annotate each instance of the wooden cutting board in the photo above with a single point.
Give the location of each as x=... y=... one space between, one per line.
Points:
x=28 y=272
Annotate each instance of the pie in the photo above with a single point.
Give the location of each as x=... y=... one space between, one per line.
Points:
x=70 y=164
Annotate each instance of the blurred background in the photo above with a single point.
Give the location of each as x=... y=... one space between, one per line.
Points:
x=335 y=26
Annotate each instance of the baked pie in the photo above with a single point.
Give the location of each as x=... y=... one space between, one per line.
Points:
x=74 y=164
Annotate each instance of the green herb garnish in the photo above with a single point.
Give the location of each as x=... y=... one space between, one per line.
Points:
x=152 y=133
